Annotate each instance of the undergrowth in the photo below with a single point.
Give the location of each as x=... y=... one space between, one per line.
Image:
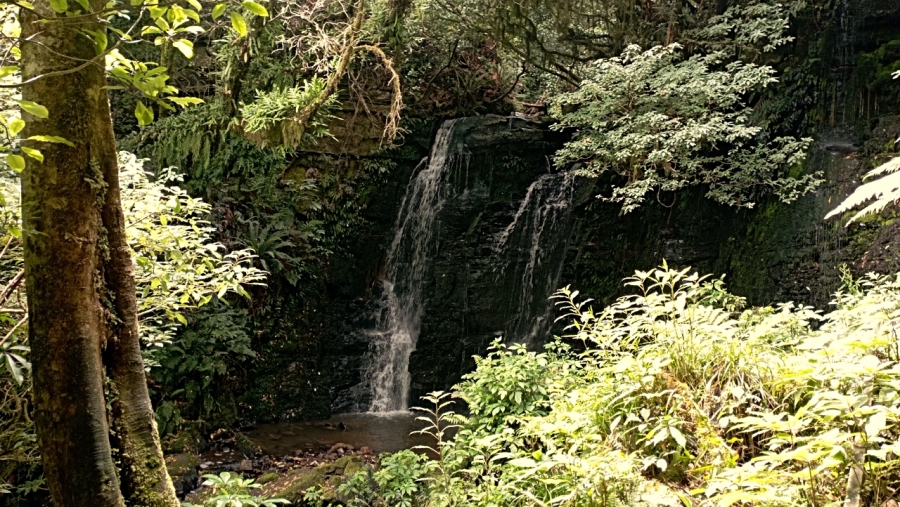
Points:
x=676 y=396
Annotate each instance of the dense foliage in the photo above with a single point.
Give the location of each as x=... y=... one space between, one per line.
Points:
x=178 y=269
x=678 y=396
x=662 y=122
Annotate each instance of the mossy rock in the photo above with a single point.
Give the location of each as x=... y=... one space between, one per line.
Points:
x=245 y=446
x=200 y=496
x=188 y=440
x=182 y=469
x=294 y=484
x=268 y=477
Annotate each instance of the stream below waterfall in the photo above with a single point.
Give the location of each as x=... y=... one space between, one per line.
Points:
x=381 y=432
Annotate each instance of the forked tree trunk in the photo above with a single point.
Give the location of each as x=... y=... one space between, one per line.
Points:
x=80 y=284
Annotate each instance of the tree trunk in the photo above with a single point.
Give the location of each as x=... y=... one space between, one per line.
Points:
x=80 y=283
x=63 y=249
x=145 y=480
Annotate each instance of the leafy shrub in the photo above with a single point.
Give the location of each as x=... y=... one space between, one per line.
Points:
x=232 y=490
x=396 y=483
x=681 y=397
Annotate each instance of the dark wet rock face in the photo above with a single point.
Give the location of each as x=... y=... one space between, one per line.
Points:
x=487 y=181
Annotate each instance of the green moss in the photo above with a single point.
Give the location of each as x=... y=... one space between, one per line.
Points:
x=187 y=440
x=245 y=446
x=181 y=465
x=294 y=484
x=267 y=478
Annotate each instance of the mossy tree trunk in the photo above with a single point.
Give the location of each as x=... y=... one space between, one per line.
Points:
x=81 y=295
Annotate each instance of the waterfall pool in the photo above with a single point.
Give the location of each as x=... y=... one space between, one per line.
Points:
x=381 y=432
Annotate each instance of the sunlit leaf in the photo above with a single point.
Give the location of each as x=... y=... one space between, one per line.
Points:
x=143 y=114
x=238 y=23
x=255 y=8
x=16 y=126
x=51 y=139
x=33 y=153
x=59 y=6
x=185 y=46
x=34 y=108
x=15 y=162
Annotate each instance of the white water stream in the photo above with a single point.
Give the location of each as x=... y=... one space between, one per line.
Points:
x=400 y=318
x=530 y=252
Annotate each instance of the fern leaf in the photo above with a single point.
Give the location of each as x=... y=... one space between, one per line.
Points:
x=885 y=190
x=891 y=166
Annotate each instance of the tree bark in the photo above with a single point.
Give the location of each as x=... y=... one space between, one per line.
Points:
x=80 y=282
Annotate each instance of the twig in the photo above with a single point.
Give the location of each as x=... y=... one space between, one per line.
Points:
x=14 y=329
x=7 y=291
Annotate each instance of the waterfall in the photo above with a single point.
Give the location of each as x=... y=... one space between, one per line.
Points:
x=400 y=308
x=530 y=252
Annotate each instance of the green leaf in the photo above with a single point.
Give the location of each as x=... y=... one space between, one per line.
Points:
x=16 y=126
x=51 y=139
x=185 y=46
x=33 y=153
x=678 y=436
x=195 y=4
x=34 y=108
x=218 y=10
x=15 y=162
x=185 y=101
x=143 y=114
x=876 y=424
x=255 y=8
x=59 y=6
x=85 y=6
x=238 y=23
x=7 y=70
x=100 y=40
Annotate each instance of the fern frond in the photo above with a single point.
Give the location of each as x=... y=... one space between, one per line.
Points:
x=891 y=166
x=885 y=190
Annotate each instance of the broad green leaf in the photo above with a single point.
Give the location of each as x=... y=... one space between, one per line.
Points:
x=16 y=126
x=255 y=8
x=34 y=108
x=157 y=12
x=876 y=424
x=143 y=114
x=15 y=162
x=238 y=23
x=218 y=10
x=59 y=6
x=51 y=139
x=185 y=46
x=678 y=436
x=85 y=6
x=33 y=153
x=195 y=4
x=7 y=70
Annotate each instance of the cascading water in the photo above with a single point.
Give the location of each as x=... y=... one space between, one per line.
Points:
x=400 y=309
x=530 y=250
